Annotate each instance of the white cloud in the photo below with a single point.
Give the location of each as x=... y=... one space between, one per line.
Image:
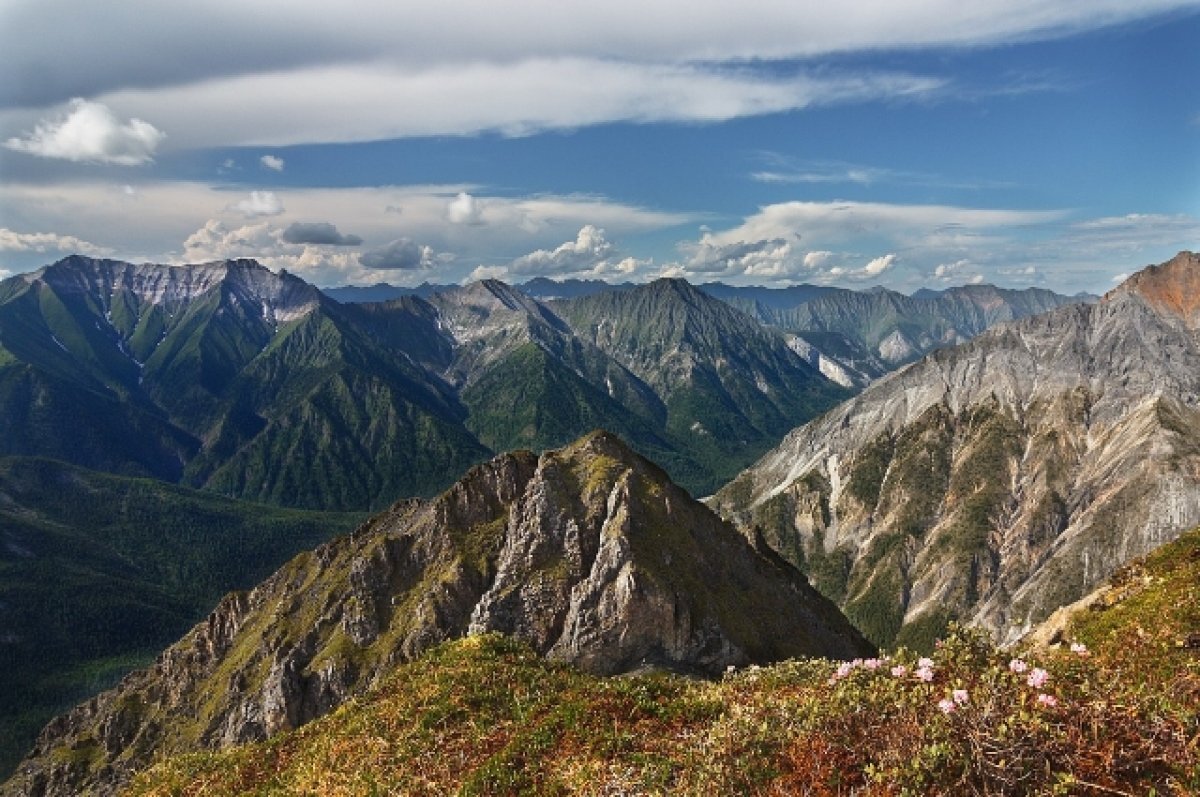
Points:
x=169 y=212
x=90 y=132
x=465 y=209
x=192 y=44
x=271 y=162
x=879 y=265
x=591 y=254
x=342 y=103
x=12 y=241
x=814 y=260
x=845 y=221
x=770 y=257
x=480 y=273
x=259 y=203
x=216 y=241
x=815 y=241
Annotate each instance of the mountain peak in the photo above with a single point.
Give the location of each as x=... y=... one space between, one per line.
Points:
x=282 y=296
x=589 y=554
x=1173 y=287
x=673 y=285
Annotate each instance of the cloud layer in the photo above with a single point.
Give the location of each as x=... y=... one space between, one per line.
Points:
x=408 y=234
x=221 y=39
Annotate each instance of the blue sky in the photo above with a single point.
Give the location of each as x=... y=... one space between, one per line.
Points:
x=908 y=144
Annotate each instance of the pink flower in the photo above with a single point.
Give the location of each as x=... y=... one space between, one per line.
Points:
x=872 y=664
x=1018 y=666
x=946 y=705
x=844 y=669
x=1037 y=678
x=924 y=673
x=960 y=696
x=899 y=671
x=1079 y=648
x=925 y=662
x=1044 y=699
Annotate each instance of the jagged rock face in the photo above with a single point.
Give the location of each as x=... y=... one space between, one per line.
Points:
x=1001 y=479
x=1173 y=287
x=282 y=298
x=589 y=554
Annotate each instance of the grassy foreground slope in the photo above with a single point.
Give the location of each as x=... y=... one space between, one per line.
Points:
x=1097 y=714
x=98 y=573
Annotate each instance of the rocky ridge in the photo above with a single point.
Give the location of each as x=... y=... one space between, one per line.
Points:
x=998 y=480
x=589 y=554
x=863 y=335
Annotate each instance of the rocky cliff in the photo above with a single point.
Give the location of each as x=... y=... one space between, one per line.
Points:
x=589 y=554
x=996 y=481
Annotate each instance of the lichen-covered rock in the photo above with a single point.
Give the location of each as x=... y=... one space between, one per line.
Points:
x=997 y=481
x=589 y=554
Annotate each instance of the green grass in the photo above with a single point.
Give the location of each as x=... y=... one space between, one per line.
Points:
x=486 y=716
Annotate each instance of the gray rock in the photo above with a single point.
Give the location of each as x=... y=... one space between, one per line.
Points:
x=999 y=480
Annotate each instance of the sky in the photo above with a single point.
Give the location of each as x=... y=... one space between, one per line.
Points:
x=913 y=143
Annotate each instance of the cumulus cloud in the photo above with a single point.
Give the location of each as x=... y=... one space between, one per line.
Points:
x=265 y=243
x=824 y=242
x=879 y=265
x=402 y=254
x=259 y=203
x=947 y=272
x=12 y=241
x=167 y=212
x=465 y=209
x=767 y=257
x=216 y=241
x=321 y=233
x=271 y=162
x=90 y=132
x=590 y=254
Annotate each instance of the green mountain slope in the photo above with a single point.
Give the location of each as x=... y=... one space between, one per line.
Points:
x=730 y=387
x=98 y=573
x=223 y=376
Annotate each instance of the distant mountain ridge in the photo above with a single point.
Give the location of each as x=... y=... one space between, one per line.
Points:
x=589 y=554
x=853 y=337
x=229 y=377
x=998 y=480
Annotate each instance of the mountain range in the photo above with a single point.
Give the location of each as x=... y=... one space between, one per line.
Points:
x=995 y=481
x=990 y=482
x=256 y=385
x=853 y=337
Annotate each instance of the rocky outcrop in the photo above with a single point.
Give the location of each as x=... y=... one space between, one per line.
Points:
x=999 y=480
x=590 y=554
